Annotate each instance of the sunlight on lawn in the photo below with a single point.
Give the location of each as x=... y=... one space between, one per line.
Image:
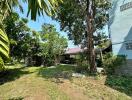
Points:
x=27 y=83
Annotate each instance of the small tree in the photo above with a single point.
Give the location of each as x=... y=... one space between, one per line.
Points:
x=53 y=45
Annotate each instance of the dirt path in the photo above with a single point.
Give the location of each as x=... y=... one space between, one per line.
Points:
x=74 y=92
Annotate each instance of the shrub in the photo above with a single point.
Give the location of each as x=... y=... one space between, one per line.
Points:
x=1 y=65
x=82 y=64
x=120 y=83
x=82 y=67
x=111 y=62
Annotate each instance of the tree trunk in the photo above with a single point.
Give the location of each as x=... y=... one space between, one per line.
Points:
x=90 y=30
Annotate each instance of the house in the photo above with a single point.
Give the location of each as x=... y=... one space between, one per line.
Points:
x=120 y=29
x=71 y=54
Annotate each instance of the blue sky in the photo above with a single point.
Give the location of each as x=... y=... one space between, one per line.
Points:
x=36 y=25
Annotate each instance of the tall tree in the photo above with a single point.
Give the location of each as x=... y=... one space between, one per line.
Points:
x=81 y=19
x=94 y=8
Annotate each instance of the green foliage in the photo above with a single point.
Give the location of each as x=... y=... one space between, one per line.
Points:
x=41 y=7
x=101 y=40
x=4 y=44
x=82 y=64
x=44 y=47
x=16 y=98
x=17 y=30
x=112 y=62
x=1 y=64
x=72 y=17
x=120 y=83
x=52 y=46
x=81 y=19
x=35 y=7
x=71 y=14
x=60 y=71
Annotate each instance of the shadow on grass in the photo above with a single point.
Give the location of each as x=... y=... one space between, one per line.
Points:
x=12 y=74
x=60 y=71
x=16 y=98
x=120 y=83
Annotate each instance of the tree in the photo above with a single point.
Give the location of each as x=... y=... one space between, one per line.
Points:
x=4 y=42
x=44 y=47
x=35 y=7
x=94 y=7
x=16 y=29
x=53 y=44
x=6 y=8
x=81 y=19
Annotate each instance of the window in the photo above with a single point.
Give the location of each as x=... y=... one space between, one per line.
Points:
x=129 y=46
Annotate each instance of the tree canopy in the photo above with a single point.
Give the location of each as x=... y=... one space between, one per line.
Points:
x=81 y=19
x=53 y=45
x=72 y=17
x=35 y=7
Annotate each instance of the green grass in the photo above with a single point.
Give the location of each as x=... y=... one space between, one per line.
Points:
x=60 y=71
x=39 y=83
x=120 y=83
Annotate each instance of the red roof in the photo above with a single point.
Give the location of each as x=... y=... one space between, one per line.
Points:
x=73 y=50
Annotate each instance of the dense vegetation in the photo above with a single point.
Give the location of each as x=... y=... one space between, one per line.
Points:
x=35 y=7
x=83 y=21
x=27 y=44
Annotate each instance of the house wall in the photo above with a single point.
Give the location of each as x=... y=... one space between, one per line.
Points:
x=120 y=27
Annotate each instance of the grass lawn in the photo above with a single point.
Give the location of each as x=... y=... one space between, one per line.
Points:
x=56 y=83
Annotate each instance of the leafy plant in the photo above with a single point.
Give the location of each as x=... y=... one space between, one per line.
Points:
x=35 y=7
x=82 y=64
x=4 y=44
x=120 y=83
x=52 y=46
x=1 y=65
x=111 y=62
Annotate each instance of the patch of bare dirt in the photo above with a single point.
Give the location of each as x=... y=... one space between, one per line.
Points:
x=74 y=92
x=37 y=97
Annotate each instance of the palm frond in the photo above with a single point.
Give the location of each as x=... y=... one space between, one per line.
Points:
x=38 y=7
x=4 y=44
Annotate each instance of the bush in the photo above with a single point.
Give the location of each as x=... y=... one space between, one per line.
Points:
x=120 y=83
x=82 y=64
x=1 y=65
x=111 y=62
